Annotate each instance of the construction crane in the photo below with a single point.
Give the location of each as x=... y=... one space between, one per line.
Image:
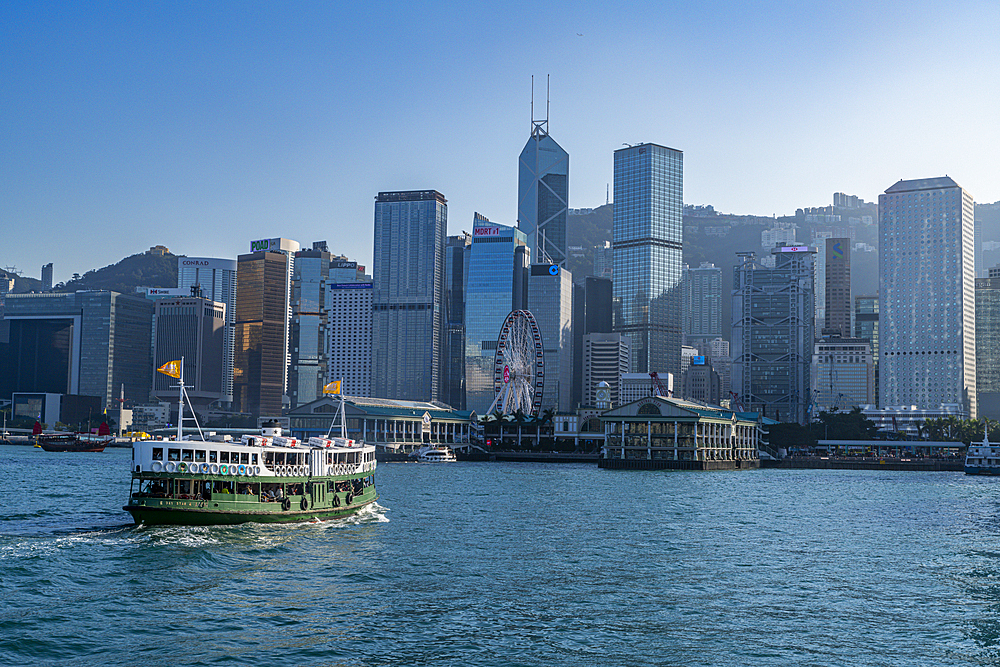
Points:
x=657 y=387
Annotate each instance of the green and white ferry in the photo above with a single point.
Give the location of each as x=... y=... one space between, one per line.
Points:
x=265 y=478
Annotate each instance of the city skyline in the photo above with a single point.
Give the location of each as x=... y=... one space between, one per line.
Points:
x=131 y=127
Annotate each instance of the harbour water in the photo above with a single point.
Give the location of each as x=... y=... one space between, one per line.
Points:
x=511 y=564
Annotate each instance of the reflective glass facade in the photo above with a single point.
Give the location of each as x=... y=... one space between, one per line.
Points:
x=703 y=302
x=216 y=279
x=988 y=335
x=495 y=267
x=456 y=277
x=408 y=297
x=550 y=300
x=543 y=195
x=307 y=373
x=773 y=334
x=261 y=321
x=193 y=329
x=89 y=342
x=648 y=227
x=927 y=318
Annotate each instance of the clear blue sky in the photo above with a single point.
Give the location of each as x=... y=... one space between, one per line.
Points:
x=202 y=126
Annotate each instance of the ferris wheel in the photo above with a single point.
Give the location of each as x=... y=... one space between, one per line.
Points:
x=519 y=366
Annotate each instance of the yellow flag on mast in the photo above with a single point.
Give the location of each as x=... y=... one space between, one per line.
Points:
x=332 y=388
x=171 y=368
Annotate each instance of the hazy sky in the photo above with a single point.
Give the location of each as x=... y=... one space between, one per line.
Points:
x=202 y=126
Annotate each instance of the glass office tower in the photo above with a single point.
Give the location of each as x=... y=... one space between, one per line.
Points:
x=648 y=226
x=216 y=281
x=498 y=270
x=543 y=195
x=308 y=370
x=927 y=300
x=408 y=296
x=773 y=333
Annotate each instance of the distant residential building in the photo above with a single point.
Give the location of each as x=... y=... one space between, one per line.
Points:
x=927 y=304
x=605 y=359
x=408 y=295
x=847 y=201
x=498 y=279
x=843 y=374
x=649 y=185
x=543 y=195
x=772 y=339
x=604 y=260
x=349 y=337
x=779 y=234
x=47 y=277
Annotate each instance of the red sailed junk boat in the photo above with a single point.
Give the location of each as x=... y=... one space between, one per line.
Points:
x=74 y=442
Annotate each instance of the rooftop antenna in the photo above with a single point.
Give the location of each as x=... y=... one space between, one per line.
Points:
x=539 y=128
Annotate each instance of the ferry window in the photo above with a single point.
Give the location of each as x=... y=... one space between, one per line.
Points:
x=223 y=457
x=157 y=453
x=199 y=455
x=188 y=455
x=173 y=454
x=308 y=458
x=253 y=458
x=244 y=457
x=329 y=458
x=269 y=459
x=213 y=456
x=279 y=458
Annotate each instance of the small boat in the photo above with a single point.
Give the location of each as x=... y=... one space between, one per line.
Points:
x=983 y=458
x=73 y=442
x=435 y=454
x=266 y=478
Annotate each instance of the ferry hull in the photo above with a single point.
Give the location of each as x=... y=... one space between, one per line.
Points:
x=207 y=513
x=982 y=470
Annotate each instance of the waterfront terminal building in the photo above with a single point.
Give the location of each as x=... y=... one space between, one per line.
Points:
x=396 y=428
x=668 y=433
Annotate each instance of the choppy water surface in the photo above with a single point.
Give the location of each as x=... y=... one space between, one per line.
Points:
x=511 y=564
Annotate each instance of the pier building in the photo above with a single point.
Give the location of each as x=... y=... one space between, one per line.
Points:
x=670 y=433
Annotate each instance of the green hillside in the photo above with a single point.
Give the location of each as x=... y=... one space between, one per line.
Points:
x=140 y=270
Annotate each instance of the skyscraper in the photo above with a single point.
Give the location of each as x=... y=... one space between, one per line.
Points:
x=648 y=225
x=772 y=339
x=192 y=329
x=927 y=302
x=543 y=194
x=215 y=279
x=837 y=286
x=350 y=337
x=550 y=300
x=261 y=354
x=988 y=345
x=498 y=269
x=456 y=278
x=308 y=370
x=703 y=298
x=408 y=298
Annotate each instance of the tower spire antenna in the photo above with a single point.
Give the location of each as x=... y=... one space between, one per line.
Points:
x=547 y=100
x=532 y=99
